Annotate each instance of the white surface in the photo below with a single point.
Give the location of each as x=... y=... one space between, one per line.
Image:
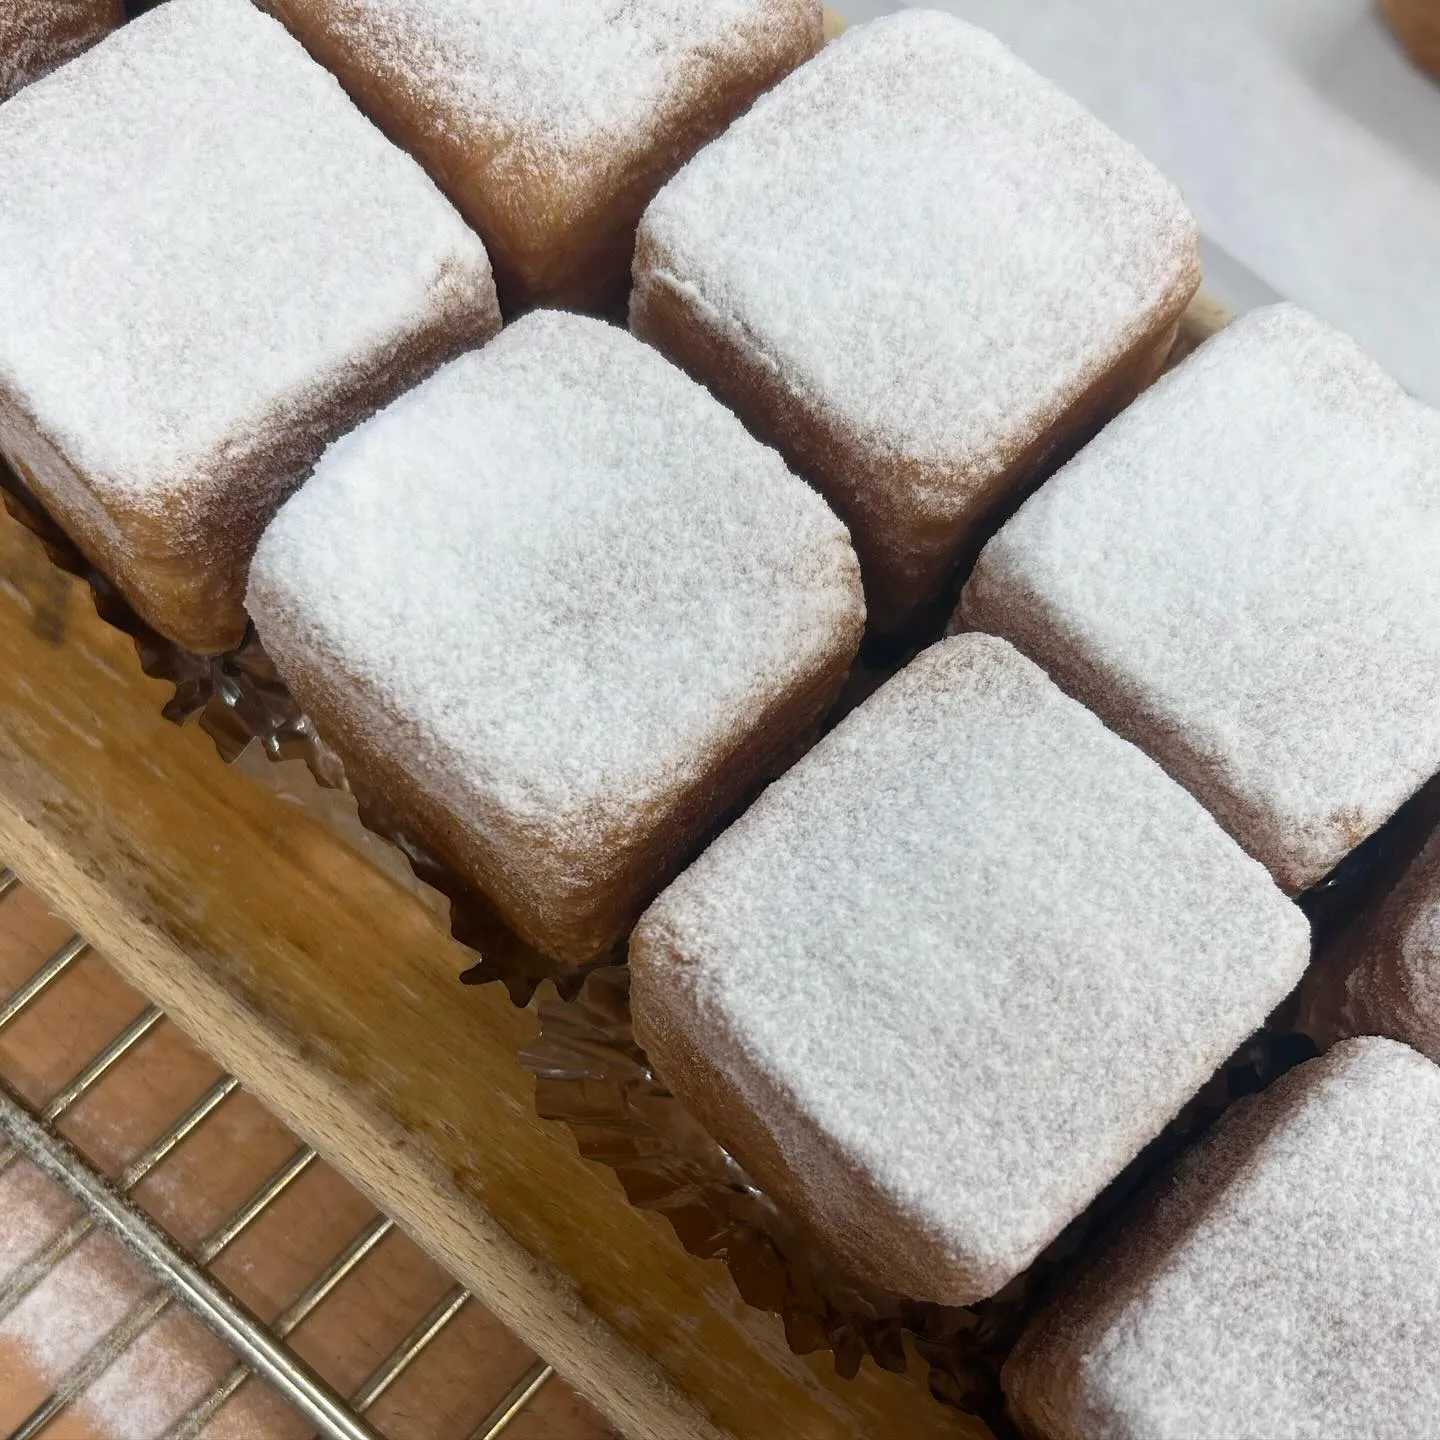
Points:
x=1307 y=145
x=916 y=959
x=1242 y=575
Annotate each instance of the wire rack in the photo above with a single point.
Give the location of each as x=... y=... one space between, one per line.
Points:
x=183 y=1276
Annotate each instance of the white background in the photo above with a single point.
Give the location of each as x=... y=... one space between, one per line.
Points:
x=1305 y=143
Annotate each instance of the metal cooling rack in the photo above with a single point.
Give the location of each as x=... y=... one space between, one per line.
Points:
x=183 y=1277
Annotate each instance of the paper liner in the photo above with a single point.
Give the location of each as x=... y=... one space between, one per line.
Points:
x=591 y=1075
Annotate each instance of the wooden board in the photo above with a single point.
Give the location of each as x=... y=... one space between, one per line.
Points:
x=331 y=991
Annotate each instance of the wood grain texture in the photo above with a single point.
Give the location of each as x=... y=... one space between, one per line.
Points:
x=331 y=991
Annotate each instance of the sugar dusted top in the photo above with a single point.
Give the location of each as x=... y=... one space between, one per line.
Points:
x=198 y=232
x=558 y=83
x=982 y=944
x=1286 y=1284
x=1244 y=565
x=569 y=571
x=923 y=237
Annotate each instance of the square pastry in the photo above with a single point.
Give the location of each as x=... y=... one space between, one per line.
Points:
x=949 y=975
x=38 y=35
x=565 y=611
x=923 y=273
x=210 y=264
x=1283 y=1283
x=1240 y=575
x=551 y=123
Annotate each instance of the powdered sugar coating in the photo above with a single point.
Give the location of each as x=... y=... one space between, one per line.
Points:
x=35 y=1209
x=920 y=235
x=38 y=35
x=200 y=238
x=76 y=1303
x=1285 y=1283
x=1240 y=574
x=552 y=583
x=576 y=87
x=915 y=962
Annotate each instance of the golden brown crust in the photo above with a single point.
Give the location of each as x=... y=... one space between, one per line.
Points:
x=183 y=566
x=566 y=244
x=37 y=35
x=1417 y=23
x=588 y=909
x=906 y=555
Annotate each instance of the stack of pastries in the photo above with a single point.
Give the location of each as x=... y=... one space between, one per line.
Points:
x=1417 y=23
x=312 y=328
